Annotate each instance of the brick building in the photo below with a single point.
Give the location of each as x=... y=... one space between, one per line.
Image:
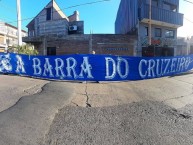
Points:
x=8 y=36
x=53 y=33
x=84 y=44
x=160 y=31
x=52 y=21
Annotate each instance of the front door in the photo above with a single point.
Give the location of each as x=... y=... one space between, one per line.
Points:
x=51 y=50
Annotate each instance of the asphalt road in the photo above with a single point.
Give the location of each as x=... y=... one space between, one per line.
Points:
x=148 y=112
x=141 y=123
x=12 y=88
x=29 y=119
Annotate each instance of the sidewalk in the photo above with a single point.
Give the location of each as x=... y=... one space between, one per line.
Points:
x=175 y=91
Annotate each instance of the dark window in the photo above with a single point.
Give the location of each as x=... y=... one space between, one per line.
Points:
x=174 y=8
x=146 y=31
x=158 y=32
x=169 y=34
x=38 y=30
x=51 y=51
x=170 y=7
x=48 y=13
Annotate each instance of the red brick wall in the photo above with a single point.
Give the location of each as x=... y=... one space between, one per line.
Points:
x=114 y=44
x=101 y=43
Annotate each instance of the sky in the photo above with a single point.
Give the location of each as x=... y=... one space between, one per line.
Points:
x=98 y=17
x=187 y=9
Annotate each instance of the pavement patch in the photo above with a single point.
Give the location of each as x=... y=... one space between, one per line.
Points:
x=27 y=122
x=144 y=122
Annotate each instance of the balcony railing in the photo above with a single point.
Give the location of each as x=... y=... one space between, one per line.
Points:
x=161 y=15
x=158 y=42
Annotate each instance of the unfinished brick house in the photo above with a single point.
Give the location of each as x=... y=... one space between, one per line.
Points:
x=53 y=33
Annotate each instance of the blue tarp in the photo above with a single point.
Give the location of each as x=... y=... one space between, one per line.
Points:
x=90 y=67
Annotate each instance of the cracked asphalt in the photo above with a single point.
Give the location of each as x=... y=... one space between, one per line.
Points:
x=148 y=112
x=141 y=123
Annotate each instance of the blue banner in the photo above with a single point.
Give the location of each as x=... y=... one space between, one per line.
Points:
x=94 y=67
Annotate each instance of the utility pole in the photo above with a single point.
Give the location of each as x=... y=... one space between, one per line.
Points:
x=19 y=23
x=90 y=43
x=149 y=22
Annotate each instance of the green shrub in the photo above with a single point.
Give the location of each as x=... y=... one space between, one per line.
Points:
x=24 y=49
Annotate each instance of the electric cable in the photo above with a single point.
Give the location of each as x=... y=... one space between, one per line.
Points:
x=188 y=1
x=83 y=4
x=188 y=20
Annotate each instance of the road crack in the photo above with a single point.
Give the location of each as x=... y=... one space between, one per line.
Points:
x=87 y=97
x=179 y=97
x=74 y=103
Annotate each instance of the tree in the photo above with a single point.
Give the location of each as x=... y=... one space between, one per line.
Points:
x=24 y=49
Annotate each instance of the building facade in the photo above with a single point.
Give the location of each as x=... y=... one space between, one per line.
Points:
x=8 y=36
x=53 y=33
x=183 y=46
x=52 y=21
x=86 y=44
x=133 y=18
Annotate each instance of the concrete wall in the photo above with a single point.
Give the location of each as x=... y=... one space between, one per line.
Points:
x=80 y=27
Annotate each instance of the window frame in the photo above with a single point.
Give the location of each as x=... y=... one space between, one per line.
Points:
x=156 y=34
x=169 y=31
x=146 y=31
x=48 y=14
x=170 y=7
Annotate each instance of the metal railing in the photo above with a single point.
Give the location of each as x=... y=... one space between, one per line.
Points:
x=162 y=15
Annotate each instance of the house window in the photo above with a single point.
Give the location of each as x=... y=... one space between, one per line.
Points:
x=174 y=8
x=170 y=7
x=37 y=21
x=146 y=31
x=158 y=32
x=51 y=50
x=169 y=34
x=48 y=13
x=31 y=33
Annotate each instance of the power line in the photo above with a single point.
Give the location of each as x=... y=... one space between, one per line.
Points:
x=83 y=4
x=188 y=20
x=188 y=1
x=185 y=17
x=89 y=3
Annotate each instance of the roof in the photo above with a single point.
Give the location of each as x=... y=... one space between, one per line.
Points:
x=9 y=25
x=53 y=4
x=60 y=12
x=14 y=27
